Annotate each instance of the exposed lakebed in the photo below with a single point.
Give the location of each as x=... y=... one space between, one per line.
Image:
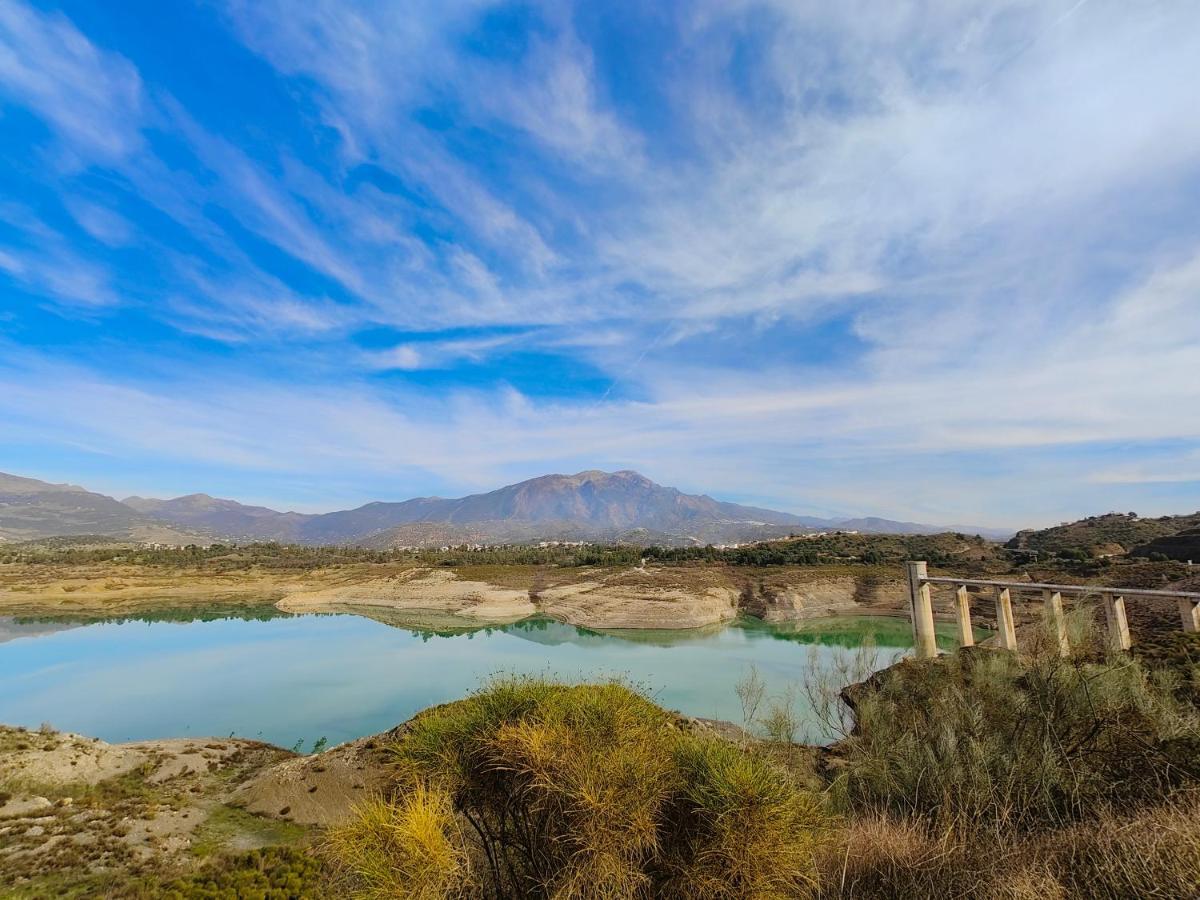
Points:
x=255 y=673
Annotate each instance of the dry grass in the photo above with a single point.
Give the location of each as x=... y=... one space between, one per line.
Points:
x=1013 y=744
x=989 y=775
x=410 y=848
x=1153 y=853
x=584 y=792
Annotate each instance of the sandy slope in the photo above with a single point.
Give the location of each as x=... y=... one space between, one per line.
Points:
x=435 y=589
x=76 y=804
x=605 y=605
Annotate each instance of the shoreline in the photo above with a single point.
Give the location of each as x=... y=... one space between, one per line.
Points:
x=652 y=598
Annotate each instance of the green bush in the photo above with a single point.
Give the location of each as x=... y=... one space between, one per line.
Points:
x=589 y=791
x=993 y=740
x=272 y=873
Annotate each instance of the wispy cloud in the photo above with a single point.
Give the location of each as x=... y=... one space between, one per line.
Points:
x=801 y=237
x=417 y=355
x=41 y=259
x=90 y=97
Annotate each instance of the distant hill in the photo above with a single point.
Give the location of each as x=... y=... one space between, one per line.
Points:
x=226 y=518
x=1110 y=534
x=591 y=505
x=32 y=509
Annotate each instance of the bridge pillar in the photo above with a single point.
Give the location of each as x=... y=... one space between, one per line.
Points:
x=1005 y=626
x=1058 y=623
x=921 y=611
x=1118 y=624
x=962 y=609
x=1189 y=611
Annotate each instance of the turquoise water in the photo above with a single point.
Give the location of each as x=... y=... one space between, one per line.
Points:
x=285 y=679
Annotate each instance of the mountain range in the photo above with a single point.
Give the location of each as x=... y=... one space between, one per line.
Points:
x=590 y=505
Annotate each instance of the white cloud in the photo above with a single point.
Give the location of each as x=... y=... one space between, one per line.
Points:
x=438 y=354
x=996 y=195
x=92 y=99
x=102 y=223
x=744 y=430
x=42 y=261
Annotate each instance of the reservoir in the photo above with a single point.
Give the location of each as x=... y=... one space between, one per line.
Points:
x=294 y=679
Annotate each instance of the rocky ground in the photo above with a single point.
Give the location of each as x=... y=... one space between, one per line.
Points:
x=82 y=817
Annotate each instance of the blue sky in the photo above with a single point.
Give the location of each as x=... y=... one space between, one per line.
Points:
x=934 y=260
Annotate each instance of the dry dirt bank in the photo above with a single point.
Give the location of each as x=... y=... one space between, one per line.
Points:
x=81 y=817
x=77 y=807
x=419 y=589
x=644 y=597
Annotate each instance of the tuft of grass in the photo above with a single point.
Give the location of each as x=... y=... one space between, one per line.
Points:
x=1154 y=852
x=411 y=848
x=587 y=791
x=747 y=828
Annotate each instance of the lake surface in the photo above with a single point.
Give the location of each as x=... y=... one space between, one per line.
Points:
x=283 y=678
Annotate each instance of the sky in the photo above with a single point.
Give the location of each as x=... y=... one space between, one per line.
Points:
x=928 y=260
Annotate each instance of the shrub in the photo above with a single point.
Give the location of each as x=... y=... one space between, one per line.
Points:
x=579 y=792
x=985 y=739
x=271 y=873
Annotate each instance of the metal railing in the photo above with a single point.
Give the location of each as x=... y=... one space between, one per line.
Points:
x=921 y=608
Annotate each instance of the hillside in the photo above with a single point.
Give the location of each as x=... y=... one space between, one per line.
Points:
x=31 y=509
x=1183 y=546
x=1113 y=534
x=226 y=518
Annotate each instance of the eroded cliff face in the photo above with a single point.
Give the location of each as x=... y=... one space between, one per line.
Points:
x=800 y=595
x=655 y=597
x=419 y=589
x=615 y=606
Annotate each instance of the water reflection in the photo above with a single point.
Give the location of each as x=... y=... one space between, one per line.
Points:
x=258 y=673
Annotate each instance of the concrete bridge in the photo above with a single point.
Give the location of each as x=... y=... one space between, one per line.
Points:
x=921 y=608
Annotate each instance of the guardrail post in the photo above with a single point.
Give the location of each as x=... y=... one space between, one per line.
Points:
x=962 y=610
x=1118 y=625
x=1189 y=611
x=921 y=610
x=1054 y=610
x=1005 y=626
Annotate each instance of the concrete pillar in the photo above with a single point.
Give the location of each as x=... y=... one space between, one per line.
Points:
x=1006 y=628
x=921 y=610
x=1118 y=625
x=1189 y=611
x=1057 y=621
x=962 y=609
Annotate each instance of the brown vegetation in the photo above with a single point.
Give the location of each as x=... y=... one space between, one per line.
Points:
x=536 y=789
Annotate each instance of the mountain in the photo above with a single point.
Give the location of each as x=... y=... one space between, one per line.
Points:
x=32 y=509
x=588 y=505
x=591 y=505
x=226 y=518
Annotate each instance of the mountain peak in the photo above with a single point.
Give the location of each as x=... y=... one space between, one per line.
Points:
x=199 y=500
x=589 y=505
